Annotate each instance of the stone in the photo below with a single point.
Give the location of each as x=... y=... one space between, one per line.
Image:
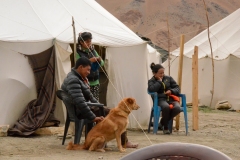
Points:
x=52 y=131
x=3 y=130
x=223 y=105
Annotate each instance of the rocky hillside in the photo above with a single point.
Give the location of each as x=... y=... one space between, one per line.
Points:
x=149 y=17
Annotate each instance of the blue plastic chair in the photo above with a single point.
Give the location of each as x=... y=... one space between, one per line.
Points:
x=156 y=112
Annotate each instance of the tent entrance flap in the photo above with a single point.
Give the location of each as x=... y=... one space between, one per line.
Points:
x=40 y=110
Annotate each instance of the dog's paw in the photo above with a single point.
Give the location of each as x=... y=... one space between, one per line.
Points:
x=108 y=149
x=122 y=150
x=100 y=150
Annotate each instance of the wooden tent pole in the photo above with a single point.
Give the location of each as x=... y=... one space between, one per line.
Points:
x=74 y=38
x=168 y=47
x=195 y=89
x=212 y=91
x=180 y=66
x=72 y=125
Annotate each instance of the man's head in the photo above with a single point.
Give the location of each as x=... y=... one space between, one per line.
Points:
x=85 y=39
x=83 y=66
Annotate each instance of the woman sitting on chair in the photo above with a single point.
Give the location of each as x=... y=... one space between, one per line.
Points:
x=166 y=87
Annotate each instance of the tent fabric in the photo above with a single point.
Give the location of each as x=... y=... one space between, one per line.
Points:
x=226 y=53
x=33 y=26
x=63 y=65
x=129 y=80
x=40 y=110
x=226 y=84
x=46 y=20
x=224 y=36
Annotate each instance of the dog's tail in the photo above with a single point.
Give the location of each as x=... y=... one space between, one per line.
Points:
x=72 y=146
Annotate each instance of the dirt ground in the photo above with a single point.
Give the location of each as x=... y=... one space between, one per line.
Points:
x=217 y=129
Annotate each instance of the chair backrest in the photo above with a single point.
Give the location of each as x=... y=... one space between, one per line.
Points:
x=176 y=149
x=154 y=97
x=67 y=100
x=71 y=110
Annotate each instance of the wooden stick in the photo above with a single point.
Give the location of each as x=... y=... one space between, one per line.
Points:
x=180 y=66
x=72 y=125
x=195 y=89
x=212 y=91
x=74 y=38
x=168 y=47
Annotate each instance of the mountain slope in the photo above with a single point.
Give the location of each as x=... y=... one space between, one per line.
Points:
x=149 y=17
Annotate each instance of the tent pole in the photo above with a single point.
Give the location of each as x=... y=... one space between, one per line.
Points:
x=168 y=47
x=72 y=125
x=180 y=66
x=74 y=38
x=212 y=91
x=195 y=89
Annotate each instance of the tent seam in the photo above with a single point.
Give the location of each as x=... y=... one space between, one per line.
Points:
x=88 y=29
x=69 y=12
x=40 y=19
x=24 y=25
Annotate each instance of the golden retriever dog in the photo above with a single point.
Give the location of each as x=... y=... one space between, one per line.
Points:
x=113 y=125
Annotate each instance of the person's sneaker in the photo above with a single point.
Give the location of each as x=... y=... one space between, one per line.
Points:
x=166 y=132
x=160 y=127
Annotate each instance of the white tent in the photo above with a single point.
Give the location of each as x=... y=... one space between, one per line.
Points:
x=225 y=39
x=32 y=26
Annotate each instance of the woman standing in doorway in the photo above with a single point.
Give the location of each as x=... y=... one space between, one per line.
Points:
x=86 y=49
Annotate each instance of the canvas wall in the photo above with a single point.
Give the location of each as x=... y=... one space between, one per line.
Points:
x=226 y=84
x=128 y=73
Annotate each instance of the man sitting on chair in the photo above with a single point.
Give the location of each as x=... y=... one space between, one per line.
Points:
x=77 y=86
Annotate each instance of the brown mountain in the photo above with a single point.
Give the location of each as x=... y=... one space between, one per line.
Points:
x=149 y=17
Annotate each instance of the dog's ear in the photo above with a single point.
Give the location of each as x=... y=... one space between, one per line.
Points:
x=130 y=100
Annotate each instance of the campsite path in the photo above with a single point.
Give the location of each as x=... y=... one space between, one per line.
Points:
x=217 y=129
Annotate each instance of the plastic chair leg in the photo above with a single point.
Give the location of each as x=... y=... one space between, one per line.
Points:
x=65 y=129
x=156 y=120
x=78 y=130
x=186 y=121
x=185 y=113
x=150 y=121
x=88 y=127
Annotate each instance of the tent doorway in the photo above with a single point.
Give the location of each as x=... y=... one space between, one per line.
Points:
x=102 y=77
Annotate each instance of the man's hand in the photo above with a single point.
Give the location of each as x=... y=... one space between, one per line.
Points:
x=168 y=92
x=98 y=119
